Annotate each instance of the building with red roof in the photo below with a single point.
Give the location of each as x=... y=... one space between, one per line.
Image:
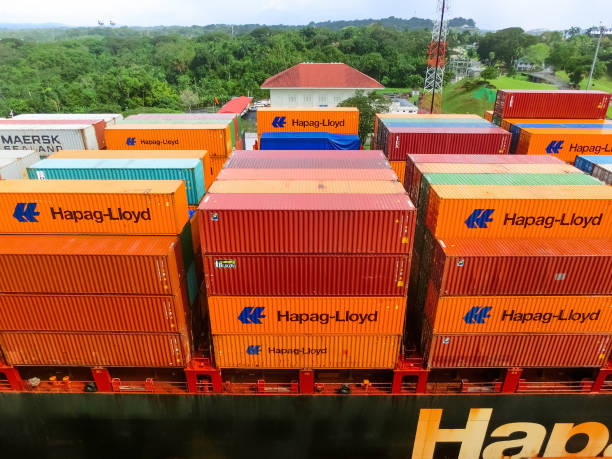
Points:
x=238 y=105
x=317 y=85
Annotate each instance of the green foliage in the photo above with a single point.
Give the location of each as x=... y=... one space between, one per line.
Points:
x=490 y=73
x=538 y=53
x=506 y=44
x=123 y=69
x=369 y=105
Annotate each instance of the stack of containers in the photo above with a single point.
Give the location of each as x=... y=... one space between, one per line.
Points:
x=402 y=134
x=47 y=137
x=598 y=166
x=93 y=273
x=311 y=275
x=171 y=134
x=308 y=128
x=502 y=263
x=13 y=163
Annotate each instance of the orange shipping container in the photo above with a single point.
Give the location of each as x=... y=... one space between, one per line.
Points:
x=335 y=120
x=216 y=164
x=488 y=115
x=216 y=138
x=92 y=313
x=507 y=122
x=95 y=349
x=307 y=186
x=519 y=314
x=565 y=144
x=202 y=155
x=306 y=351
x=130 y=265
x=306 y=315
x=93 y=206
x=499 y=211
x=399 y=167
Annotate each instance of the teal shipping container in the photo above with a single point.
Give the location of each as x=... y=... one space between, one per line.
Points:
x=189 y=170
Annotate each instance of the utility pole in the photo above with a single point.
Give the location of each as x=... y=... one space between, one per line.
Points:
x=602 y=31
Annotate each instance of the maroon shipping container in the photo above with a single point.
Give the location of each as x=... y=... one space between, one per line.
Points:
x=98 y=125
x=306 y=223
x=307 y=275
x=306 y=163
x=515 y=350
x=93 y=313
x=403 y=141
x=307 y=174
x=569 y=104
x=337 y=154
x=161 y=350
x=412 y=160
x=522 y=267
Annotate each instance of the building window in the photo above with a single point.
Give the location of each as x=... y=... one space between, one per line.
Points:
x=292 y=100
x=308 y=100
x=322 y=99
x=337 y=99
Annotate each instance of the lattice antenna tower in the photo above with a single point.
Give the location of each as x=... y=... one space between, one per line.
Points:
x=431 y=101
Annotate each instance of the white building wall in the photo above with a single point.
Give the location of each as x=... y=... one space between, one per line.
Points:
x=309 y=97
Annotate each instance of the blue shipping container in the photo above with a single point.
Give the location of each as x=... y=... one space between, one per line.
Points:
x=308 y=141
x=586 y=162
x=188 y=170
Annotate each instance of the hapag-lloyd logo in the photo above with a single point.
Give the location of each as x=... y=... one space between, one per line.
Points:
x=480 y=218
x=530 y=437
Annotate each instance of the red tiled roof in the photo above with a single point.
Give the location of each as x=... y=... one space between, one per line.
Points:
x=321 y=76
x=236 y=105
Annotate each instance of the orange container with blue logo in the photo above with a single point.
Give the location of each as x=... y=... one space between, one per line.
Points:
x=335 y=120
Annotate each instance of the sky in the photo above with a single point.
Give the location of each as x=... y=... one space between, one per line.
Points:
x=489 y=15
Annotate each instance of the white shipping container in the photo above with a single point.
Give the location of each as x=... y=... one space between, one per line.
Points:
x=46 y=139
x=110 y=118
x=603 y=172
x=15 y=162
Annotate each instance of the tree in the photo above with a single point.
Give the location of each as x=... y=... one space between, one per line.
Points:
x=369 y=105
x=507 y=44
x=189 y=98
x=489 y=73
x=538 y=53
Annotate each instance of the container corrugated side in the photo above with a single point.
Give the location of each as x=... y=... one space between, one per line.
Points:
x=302 y=223
x=403 y=141
x=110 y=118
x=306 y=163
x=188 y=170
x=307 y=174
x=46 y=139
x=216 y=164
x=307 y=186
x=92 y=313
x=99 y=125
x=565 y=144
x=309 y=154
x=217 y=139
x=585 y=162
x=93 y=206
x=522 y=267
x=551 y=104
x=297 y=275
x=129 y=265
x=202 y=155
x=399 y=167
x=497 y=211
x=413 y=160
x=15 y=162
x=515 y=350
x=309 y=315
x=335 y=120
x=506 y=123
x=603 y=172
x=163 y=350
x=310 y=351
x=488 y=115
x=518 y=314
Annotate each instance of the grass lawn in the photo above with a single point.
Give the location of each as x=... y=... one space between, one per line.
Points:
x=505 y=82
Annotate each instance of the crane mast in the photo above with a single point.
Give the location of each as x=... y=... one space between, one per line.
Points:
x=431 y=100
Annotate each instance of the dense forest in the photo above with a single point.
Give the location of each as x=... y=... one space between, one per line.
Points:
x=127 y=70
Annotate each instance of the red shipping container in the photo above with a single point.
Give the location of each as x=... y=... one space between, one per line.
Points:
x=306 y=163
x=295 y=154
x=515 y=350
x=403 y=141
x=307 y=174
x=98 y=125
x=551 y=104
x=522 y=267
x=127 y=265
x=162 y=350
x=412 y=160
x=306 y=223
x=92 y=313
x=307 y=275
